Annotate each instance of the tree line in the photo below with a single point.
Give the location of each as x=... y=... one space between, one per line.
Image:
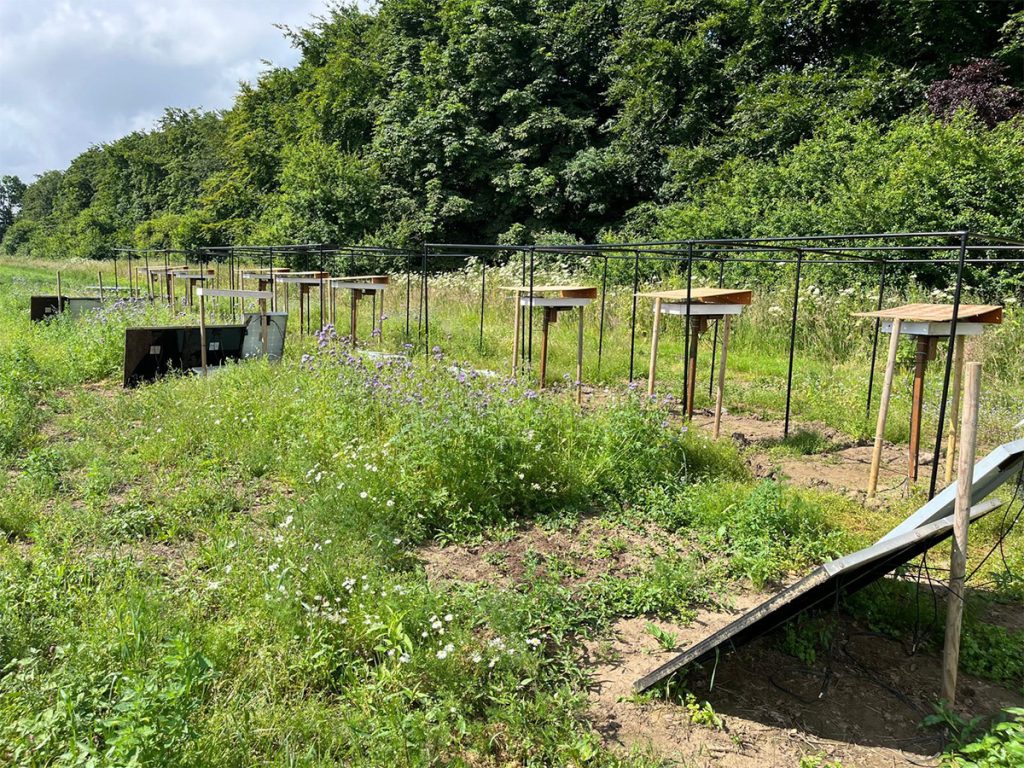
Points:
x=572 y=120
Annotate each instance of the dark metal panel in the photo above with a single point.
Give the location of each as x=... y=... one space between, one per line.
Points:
x=843 y=576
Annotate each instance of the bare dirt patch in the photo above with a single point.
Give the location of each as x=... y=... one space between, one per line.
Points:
x=843 y=467
x=862 y=705
x=591 y=549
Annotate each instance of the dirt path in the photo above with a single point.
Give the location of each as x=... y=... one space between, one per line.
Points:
x=861 y=706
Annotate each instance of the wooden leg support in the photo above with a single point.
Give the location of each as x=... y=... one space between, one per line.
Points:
x=920 y=365
x=579 y=361
x=691 y=368
x=202 y=332
x=548 y=311
x=883 y=408
x=720 y=394
x=655 y=331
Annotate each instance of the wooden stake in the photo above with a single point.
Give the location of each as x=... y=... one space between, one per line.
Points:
x=961 y=519
x=58 y=292
x=917 y=402
x=544 y=347
x=579 y=361
x=202 y=331
x=353 y=315
x=883 y=407
x=264 y=331
x=691 y=375
x=655 y=332
x=379 y=313
x=719 y=396
x=954 y=411
x=516 y=317
x=99 y=276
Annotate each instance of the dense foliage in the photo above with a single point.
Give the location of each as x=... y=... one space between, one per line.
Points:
x=488 y=120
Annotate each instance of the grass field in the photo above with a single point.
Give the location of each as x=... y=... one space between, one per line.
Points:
x=230 y=570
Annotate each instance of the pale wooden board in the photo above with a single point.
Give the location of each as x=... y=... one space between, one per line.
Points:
x=379 y=279
x=578 y=291
x=704 y=295
x=233 y=293
x=939 y=313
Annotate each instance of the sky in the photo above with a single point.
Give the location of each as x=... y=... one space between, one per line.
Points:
x=74 y=73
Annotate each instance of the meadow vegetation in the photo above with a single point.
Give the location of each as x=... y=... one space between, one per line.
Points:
x=224 y=570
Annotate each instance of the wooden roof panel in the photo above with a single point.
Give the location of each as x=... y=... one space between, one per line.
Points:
x=939 y=313
x=704 y=295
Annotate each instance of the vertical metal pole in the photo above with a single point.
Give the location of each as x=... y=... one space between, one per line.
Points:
x=408 y=295
x=426 y=304
x=874 y=340
x=964 y=236
x=632 y=318
x=529 y=314
x=688 y=349
x=521 y=309
x=792 y=340
x=483 y=295
x=600 y=331
x=322 y=271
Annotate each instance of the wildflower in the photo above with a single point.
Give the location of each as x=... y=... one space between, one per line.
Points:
x=363 y=494
x=287 y=522
x=533 y=641
x=273 y=567
x=403 y=659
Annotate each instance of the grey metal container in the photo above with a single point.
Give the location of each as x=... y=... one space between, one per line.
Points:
x=252 y=344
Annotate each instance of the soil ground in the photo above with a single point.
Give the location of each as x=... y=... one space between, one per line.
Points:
x=861 y=706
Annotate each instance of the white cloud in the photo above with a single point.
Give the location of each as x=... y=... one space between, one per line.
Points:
x=74 y=74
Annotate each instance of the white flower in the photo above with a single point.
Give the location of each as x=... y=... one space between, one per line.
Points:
x=533 y=641
x=363 y=494
x=287 y=522
x=448 y=617
x=390 y=502
x=273 y=567
x=404 y=658
x=396 y=541
x=227 y=568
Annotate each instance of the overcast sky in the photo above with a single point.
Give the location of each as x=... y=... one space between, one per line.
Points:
x=79 y=72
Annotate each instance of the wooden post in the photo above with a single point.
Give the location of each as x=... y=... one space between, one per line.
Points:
x=544 y=347
x=883 y=407
x=380 y=318
x=302 y=309
x=264 y=331
x=917 y=401
x=353 y=315
x=58 y=292
x=579 y=361
x=954 y=411
x=655 y=331
x=691 y=363
x=720 y=395
x=961 y=519
x=516 y=316
x=202 y=330
x=99 y=276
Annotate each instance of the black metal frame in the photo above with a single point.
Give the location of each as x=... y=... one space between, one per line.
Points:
x=875 y=251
